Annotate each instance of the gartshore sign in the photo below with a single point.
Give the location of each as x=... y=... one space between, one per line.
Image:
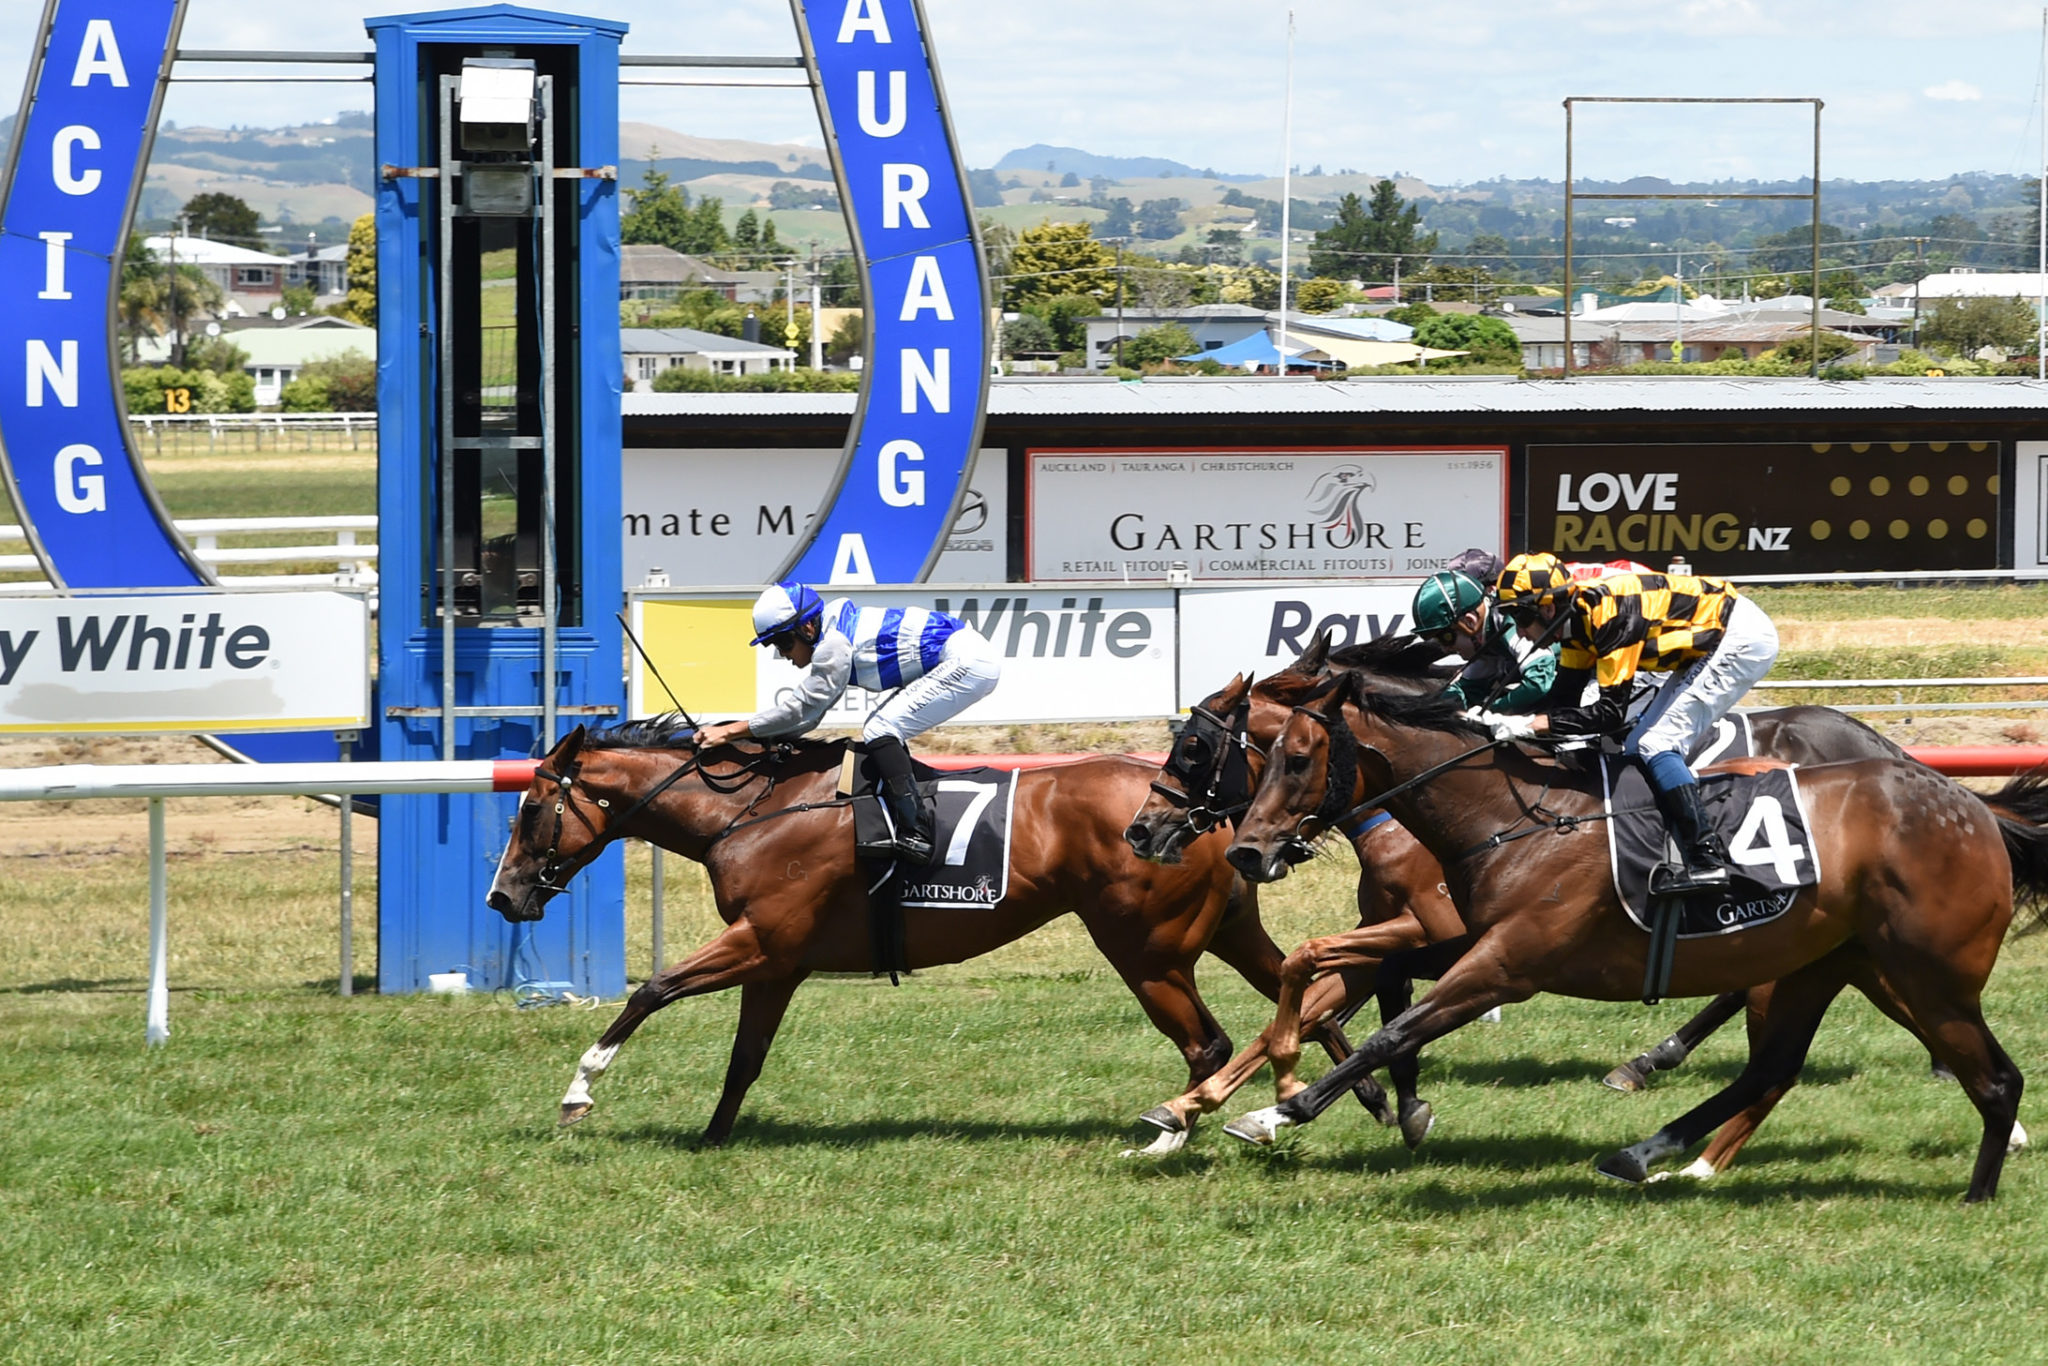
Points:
x=1363 y=512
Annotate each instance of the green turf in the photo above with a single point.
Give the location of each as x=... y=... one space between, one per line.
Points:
x=924 y=1174
x=284 y=493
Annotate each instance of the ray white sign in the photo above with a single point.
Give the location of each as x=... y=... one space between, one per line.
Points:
x=723 y=517
x=1260 y=631
x=1089 y=655
x=1266 y=513
x=198 y=661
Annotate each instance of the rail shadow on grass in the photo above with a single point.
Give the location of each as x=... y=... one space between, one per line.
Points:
x=1532 y=1072
x=775 y=1133
x=120 y=986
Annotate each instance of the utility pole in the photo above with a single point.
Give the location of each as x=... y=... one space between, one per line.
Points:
x=2041 y=260
x=1678 y=338
x=1397 y=279
x=177 y=299
x=1919 y=270
x=1286 y=191
x=1119 y=299
x=817 y=326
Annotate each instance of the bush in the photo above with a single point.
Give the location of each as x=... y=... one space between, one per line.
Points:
x=1156 y=344
x=679 y=380
x=211 y=392
x=1488 y=340
x=351 y=380
x=305 y=396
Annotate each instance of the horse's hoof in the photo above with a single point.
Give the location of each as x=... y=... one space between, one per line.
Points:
x=1416 y=1122
x=1163 y=1117
x=1624 y=1166
x=1627 y=1077
x=1258 y=1126
x=1167 y=1144
x=1374 y=1099
x=572 y=1113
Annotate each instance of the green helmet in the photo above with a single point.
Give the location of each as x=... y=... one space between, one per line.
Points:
x=1443 y=598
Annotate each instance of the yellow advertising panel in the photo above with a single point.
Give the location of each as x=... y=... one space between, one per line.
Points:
x=700 y=648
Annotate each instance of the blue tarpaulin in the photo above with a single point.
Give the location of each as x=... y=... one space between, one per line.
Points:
x=1256 y=350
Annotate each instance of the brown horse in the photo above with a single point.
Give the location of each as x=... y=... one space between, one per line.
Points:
x=779 y=850
x=1912 y=906
x=1402 y=901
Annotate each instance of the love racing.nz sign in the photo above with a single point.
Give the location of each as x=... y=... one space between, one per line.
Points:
x=927 y=347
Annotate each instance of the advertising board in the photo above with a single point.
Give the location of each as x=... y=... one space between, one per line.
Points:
x=1259 y=631
x=725 y=517
x=2030 y=510
x=1089 y=655
x=1771 y=508
x=185 y=661
x=1299 y=513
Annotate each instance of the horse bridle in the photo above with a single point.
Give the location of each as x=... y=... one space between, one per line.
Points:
x=549 y=879
x=1344 y=748
x=1214 y=805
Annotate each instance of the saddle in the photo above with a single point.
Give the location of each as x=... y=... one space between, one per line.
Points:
x=1756 y=806
x=970 y=832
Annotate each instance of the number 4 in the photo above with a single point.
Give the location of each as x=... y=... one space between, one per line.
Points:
x=984 y=793
x=1766 y=818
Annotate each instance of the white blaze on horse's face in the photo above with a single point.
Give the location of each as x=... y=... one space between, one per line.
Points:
x=511 y=885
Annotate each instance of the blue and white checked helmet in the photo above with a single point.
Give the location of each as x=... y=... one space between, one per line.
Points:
x=782 y=608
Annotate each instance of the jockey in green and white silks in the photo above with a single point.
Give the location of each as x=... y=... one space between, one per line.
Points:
x=1452 y=610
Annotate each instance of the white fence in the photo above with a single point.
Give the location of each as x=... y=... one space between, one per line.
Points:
x=223 y=433
x=354 y=562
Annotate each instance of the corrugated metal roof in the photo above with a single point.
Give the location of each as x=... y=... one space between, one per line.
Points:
x=1383 y=394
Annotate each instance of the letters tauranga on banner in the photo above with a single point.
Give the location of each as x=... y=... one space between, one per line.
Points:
x=76 y=162
x=1771 y=508
x=927 y=354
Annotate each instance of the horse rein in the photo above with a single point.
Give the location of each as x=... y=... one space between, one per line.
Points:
x=551 y=862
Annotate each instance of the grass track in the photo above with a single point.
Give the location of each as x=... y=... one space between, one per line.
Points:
x=928 y=1174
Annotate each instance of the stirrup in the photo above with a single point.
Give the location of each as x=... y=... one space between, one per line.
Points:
x=1676 y=879
x=915 y=848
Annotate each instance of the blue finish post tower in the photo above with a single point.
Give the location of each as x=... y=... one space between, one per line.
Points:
x=498 y=382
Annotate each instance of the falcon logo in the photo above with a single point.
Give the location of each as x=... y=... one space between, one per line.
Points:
x=1333 y=502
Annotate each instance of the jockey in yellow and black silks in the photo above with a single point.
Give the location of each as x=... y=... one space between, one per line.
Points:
x=1713 y=644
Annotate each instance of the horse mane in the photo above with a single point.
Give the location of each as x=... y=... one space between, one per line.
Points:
x=1438 y=710
x=1402 y=656
x=673 y=730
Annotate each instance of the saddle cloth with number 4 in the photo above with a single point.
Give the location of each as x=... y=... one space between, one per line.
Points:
x=1761 y=817
x=971 y=823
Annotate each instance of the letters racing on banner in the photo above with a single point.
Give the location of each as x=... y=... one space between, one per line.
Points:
x=79 y=148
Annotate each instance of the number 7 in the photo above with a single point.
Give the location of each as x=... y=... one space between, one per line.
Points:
x=984 y=793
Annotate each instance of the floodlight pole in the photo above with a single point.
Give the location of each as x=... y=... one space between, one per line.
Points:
x=1286 y=191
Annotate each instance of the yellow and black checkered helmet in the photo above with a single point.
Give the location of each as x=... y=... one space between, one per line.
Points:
x=1532 y=580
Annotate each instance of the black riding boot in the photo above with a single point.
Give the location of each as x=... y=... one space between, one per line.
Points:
x=1703 y=859
x=906 y=808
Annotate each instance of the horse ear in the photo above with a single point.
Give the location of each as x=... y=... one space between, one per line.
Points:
x=568 y=748
x=1316 y=657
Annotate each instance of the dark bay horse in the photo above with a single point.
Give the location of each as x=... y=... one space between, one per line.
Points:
x=1402 y=901
x=1918 y=878
x=779 y=851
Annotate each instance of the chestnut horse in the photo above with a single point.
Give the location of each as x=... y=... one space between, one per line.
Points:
x=1918 y=878
x=1402 y=901
x=778 y=847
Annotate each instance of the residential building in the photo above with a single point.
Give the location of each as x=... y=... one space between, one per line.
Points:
x=651 y=350
x=278 y=351
x=649 y=271
x=252 y=280
x=324 y=270
x=1214 y=326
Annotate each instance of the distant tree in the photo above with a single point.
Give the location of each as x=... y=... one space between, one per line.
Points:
x=998 y=240
x=1792 y=249
x=1489 y=340
x=298 y=300
x=305 y=395
x=1362 y=240
x=217 y=354
x=846 y=340
x=1412 y=315
x=1028 y=333
x=1319 y=295
x=1162 y=343
x=361 y=305
x=1963 y=326
x=984 y=187
x=1117 y=220
x=139 y=309
x=1488 y=250
x=1159 y=218
x=1070 y=181
x=705 y=234
x=1055 y=259
x=1067 y=316
x=1468 y=284
x=222 y=218
x=746 y=233
x=658 y=213
x=1159 y=288
x=1226 y=246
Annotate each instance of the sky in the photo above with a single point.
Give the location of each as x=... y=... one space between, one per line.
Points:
x=1453 y=92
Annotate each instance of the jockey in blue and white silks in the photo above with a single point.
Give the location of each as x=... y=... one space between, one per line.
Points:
x=936 y=665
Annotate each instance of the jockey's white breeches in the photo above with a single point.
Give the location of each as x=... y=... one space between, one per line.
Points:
x=967 y=671
x=1685 y=709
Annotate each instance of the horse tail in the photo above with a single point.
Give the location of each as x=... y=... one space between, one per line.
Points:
x=2021 y=807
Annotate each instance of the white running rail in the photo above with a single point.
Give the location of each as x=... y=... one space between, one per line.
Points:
x=354 y=562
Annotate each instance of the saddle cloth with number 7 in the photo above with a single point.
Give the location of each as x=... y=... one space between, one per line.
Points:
x=1762 y=819
x=971 y=838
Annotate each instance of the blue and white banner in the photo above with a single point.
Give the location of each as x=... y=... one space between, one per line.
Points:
x=80 y=146
x=927 y=354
